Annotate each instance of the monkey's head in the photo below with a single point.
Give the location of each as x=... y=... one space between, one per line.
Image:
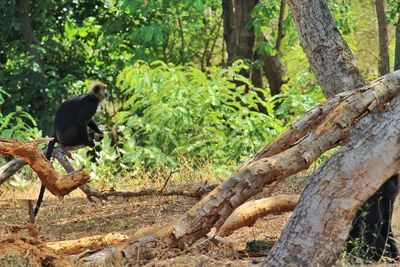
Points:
x=97 y=89
x=390 y=189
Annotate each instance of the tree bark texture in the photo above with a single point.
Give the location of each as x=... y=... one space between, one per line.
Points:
x=245 y=32
x=274 y=71
x=397 y=47
x=331 y=59
x=384 y=67
x=322 y=219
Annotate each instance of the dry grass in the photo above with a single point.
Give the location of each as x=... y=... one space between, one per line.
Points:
x=75 y=217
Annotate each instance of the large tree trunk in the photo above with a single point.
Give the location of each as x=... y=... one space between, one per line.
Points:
x=230 y=35
x=384 y=67
x=279 y=163
x=240 y=40
x=331 y=59
x=322 y=219
x=275 y=72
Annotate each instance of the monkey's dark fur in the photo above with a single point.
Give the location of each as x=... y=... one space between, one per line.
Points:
x=71 y=123
x=371 y=236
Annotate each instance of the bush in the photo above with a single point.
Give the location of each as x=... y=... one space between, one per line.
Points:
x=174 y=112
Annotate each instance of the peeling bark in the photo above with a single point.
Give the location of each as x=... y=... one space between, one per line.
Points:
x=77 y=246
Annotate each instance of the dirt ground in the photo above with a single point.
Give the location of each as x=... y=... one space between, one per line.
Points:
x=75 y=217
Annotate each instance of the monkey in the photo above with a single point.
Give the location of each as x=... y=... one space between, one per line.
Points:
x=372 y=225
x=71 y=123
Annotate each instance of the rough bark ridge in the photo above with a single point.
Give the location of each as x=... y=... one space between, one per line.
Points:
x=331 y=59
x=322 y=219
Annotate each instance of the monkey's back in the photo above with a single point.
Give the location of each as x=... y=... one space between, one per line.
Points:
x=75 y=110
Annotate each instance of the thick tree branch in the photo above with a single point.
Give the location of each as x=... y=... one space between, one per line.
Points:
x=55 y=183
x=248 y=213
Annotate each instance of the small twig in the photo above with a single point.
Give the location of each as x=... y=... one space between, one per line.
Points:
x=167 y=180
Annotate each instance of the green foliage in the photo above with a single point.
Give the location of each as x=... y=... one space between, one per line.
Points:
x=176 y=112
x=299 y=96
x=17 y=124
x=342 y=12
x=393 y=10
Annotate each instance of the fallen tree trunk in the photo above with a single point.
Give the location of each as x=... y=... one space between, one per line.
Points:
x=57 y=184
x=299 y=150
x=248 y=213
x=72 y=247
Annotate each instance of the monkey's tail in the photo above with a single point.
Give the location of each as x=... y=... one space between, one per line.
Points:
x=50 y=148
x=39 y=200
x=49 y=152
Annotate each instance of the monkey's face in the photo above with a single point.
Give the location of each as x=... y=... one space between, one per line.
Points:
x=392 y=187
x=98 y=91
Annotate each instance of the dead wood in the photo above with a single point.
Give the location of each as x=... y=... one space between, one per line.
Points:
x=249 y=180
x=58 y=185
x=14 y=165
x=321 y=129
x=77 y=246
x=248 y=213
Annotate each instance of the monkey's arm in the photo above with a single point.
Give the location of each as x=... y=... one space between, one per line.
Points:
x=92 y=125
